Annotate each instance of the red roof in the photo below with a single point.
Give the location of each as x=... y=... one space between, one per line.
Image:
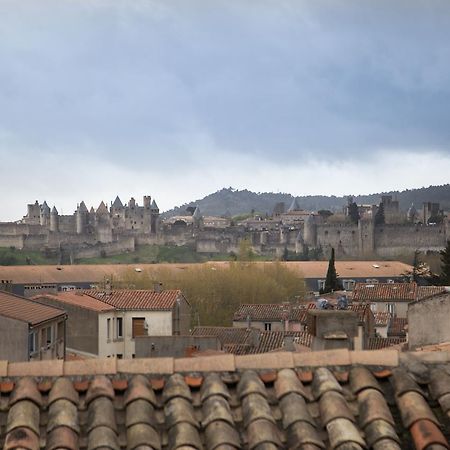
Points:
x=378 y=343
x=397 y=326
x=138 y=299
x=77 y=298
x=25 y=310
x=272 y=312
x=372 y=292
x=428 y=291
x=269 y=341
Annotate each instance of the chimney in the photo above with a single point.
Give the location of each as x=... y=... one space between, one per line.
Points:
x=108 y=287
x=288 y=343
x=157 y=287
x=248 y=321
x=254 y=337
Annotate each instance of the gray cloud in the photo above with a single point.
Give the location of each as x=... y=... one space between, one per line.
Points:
x=169 y=84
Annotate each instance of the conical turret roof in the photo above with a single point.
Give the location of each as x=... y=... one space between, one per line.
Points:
x=154 y=205
x=54 y=211
x=44 y=208
x=82 y=207
x=197 y=214
x=102 y=209
x=412 y=211
x=117 y=203
x=294 y=205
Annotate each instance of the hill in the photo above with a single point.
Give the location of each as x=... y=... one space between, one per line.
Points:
x=229 y=201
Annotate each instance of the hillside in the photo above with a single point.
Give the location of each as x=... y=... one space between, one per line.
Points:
x=229 y=201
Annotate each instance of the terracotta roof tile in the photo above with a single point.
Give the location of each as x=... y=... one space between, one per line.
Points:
x=257 y=404
x=378 y=343
x=138 y=299
x=295 y=312
x=369 y=292
x=397 y=326
x=424 y=292
x=79 y=299
x=226 y=335
x=25 y=310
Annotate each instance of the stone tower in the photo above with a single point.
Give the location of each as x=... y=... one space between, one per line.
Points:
x=45 y=215
x=54 y=220
x=81 y=218
x=310 y=232
x=154 y=217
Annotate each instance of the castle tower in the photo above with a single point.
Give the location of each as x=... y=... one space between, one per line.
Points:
x=45 y=215
x=147 y=201
x=54 y=220
x=103 y=221
x=294 y=205
x=299 y=243
x=411 y=215
x=81 y=218
x=366 y=231
x=310 y=232
x=197 y=219
x=154 y=217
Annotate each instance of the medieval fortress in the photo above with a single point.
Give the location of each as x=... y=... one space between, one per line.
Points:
x=123 y=227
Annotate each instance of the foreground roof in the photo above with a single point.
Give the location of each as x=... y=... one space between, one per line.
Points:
x=335 y=400
x=25 y=310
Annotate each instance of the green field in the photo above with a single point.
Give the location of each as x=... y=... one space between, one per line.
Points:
x=13 y=257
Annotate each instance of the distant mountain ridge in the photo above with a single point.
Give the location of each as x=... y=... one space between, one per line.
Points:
x=229 y=201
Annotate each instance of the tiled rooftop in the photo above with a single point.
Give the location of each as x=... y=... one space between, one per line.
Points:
x=373 y=292
x=25 y=310
x=226 y=335
x=272 y=312
x=78 y=298
x=336 y=400
x=378 y=343
x=428 y=291
x=137 y=299
x=397 y=326
x=269 y=341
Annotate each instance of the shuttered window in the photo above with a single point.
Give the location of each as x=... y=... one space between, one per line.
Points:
x=139 y=327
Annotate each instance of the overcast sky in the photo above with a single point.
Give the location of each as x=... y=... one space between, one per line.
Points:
x=177 y=99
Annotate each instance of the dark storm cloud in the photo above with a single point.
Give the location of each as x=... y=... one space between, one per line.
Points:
x=160 y=82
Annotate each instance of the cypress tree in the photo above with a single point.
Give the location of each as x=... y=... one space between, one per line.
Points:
x=445 y=265
x=331 y=281
x=353 y=212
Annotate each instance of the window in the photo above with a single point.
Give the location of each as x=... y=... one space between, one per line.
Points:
x=373 y=307
x=32 y=342
x=391 y=308
x=119 y=355
x=139 y=327
x=348 y=284
x=108 y=329
x=119 y=328
x=47 y=335
x=268 y=326
x=321 y=284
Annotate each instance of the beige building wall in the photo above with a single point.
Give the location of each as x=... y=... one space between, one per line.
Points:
x=401 y=308
x=159 y=324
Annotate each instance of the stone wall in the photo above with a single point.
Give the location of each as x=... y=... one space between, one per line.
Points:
x=428 y=321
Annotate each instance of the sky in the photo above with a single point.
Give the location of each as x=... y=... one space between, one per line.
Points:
x=177 y=99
